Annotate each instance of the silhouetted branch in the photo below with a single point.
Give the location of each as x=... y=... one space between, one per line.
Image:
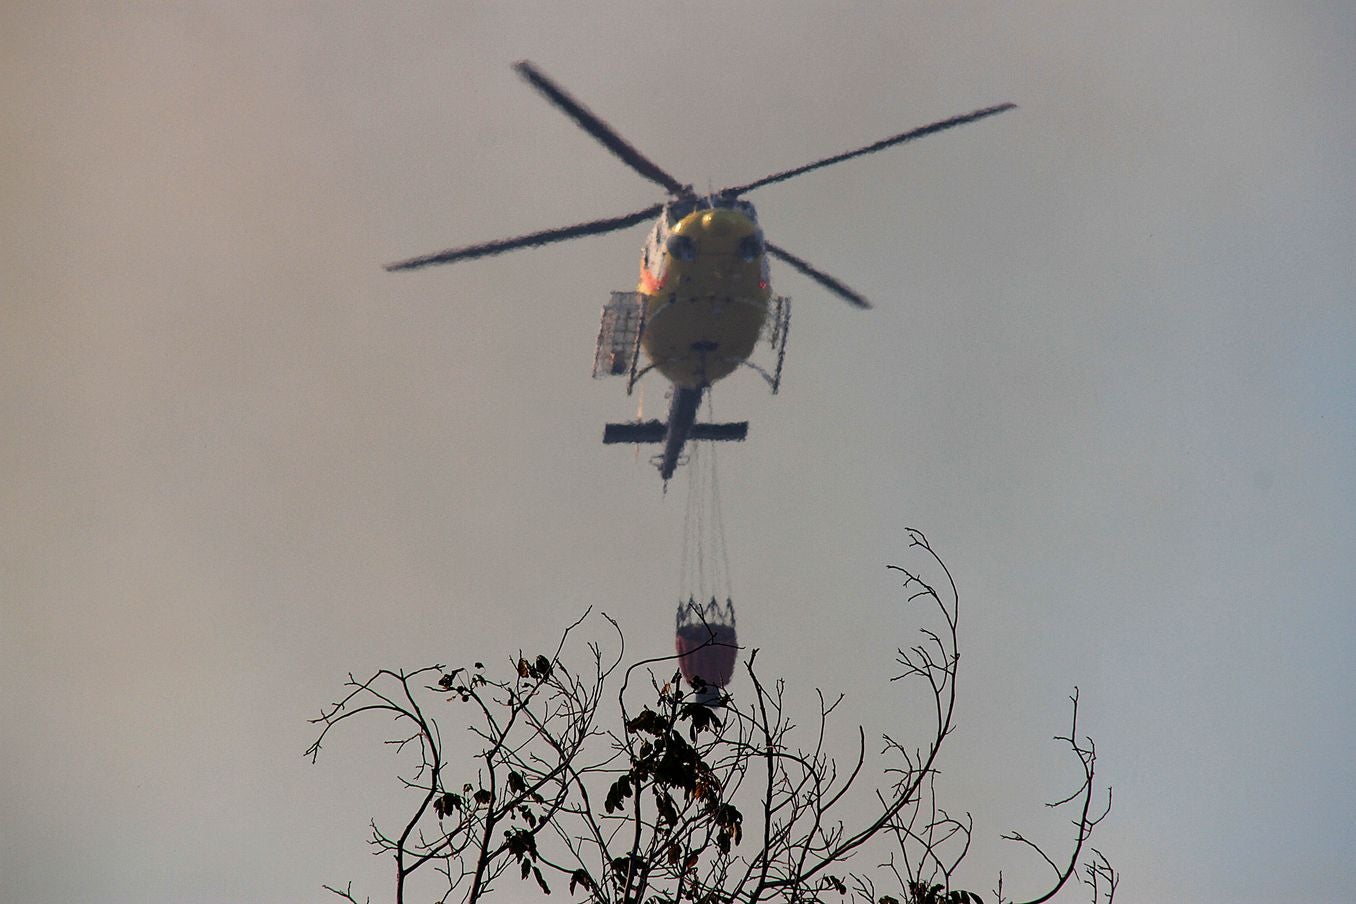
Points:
x=346 y=894
x=692 y=795
x=1086 y=751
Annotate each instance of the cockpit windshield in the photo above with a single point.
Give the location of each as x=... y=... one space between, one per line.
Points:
x=681 y=208
x=739 y=204
x=684 y=206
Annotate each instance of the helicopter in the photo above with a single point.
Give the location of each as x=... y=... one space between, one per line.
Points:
x=704 y=298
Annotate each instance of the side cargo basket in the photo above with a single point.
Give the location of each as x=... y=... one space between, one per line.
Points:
x=623 y=321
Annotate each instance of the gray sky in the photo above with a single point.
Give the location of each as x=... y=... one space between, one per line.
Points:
x=1110 y=374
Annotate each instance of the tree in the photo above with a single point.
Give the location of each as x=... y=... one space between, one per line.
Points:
x=682 y=800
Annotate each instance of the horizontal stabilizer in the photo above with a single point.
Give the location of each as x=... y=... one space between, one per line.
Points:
x=636 y=432
x=735 y=431
x=655 y=432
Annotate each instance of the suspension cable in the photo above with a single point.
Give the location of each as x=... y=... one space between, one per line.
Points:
x=704 y=527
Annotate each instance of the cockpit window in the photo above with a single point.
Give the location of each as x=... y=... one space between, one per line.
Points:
x=739 y=204
x=680 y=209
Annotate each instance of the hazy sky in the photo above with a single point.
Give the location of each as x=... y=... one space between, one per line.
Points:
x=1111 y=373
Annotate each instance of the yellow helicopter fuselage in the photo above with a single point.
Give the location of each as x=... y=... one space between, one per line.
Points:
x=704 y=278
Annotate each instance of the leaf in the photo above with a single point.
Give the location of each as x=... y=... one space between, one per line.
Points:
x=540 y=881
x=516 y=783
x=680 y=766
x=522 y=844
x=728 y=817
x=580 y=877
x=626 y=866
x=667 y=811
x=445 y=804
x=649 y=722
x=620 y=790
x=702 y=718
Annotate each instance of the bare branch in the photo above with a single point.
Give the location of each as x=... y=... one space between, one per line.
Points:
x=1086 y=751
x=686 y=795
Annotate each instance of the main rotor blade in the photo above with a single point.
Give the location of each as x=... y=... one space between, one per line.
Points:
x=871 y=148
x=818 y=276
x=600 y=130
x=546 y=236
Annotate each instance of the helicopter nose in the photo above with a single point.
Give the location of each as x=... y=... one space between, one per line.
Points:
x=719 y=223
